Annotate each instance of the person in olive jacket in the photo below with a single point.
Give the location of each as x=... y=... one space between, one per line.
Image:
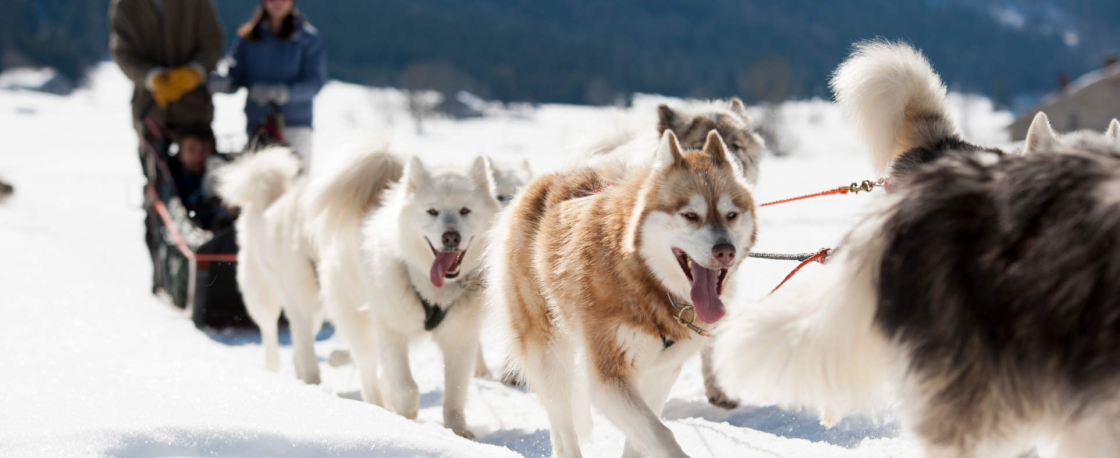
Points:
x=166 y=48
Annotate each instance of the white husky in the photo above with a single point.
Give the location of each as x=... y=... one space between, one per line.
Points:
x=509 y=179
x=276 y=259
x=405 y=269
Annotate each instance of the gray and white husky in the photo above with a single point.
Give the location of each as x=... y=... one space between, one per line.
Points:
x=407 y=267
x=984 y=288
x=633 y=139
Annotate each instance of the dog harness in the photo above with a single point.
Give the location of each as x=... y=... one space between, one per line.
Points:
x=665 y=341
x=435 y=313
x=691 y=323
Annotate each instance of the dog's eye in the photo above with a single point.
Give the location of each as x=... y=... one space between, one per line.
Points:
x=691 y=216
x=502 y=198
x=433 y=212
x=464 y=211
x=731 y=216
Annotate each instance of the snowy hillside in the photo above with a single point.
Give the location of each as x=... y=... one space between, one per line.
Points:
x=96 y=366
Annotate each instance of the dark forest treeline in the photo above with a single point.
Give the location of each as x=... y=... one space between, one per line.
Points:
x=587 y=51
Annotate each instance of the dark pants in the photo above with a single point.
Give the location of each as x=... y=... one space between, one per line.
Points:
x=151 y=221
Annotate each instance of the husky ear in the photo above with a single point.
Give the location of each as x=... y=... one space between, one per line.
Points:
x=667 y=119
x=526 y=167
x=1113 y=131
x=1039 y=135
x=717 y=151
x=482 y=174
x=736 y=106
x=669 y=151
x=415 y=174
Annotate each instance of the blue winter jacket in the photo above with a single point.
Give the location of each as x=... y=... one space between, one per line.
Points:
x=300 y=62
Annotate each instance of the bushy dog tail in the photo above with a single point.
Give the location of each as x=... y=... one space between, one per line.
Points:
x=894 y=97
x=338 y=199
x=814 y=345
x=254 y=181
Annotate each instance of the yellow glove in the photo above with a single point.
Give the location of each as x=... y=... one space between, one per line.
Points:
x=159 y=85
x=170 y=85
x=183 y=80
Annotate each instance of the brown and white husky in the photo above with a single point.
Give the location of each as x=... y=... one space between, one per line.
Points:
x=593 y=273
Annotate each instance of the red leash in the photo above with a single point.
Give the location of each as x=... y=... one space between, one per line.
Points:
x=840 y=190
x=854 y=188
x=818 y=257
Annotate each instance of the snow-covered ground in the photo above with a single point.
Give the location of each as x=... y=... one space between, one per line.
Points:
x=93 y=365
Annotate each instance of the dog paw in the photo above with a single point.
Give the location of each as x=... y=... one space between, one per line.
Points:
x=464 y=433
x=830 y=418
x=513 y=380
x=723 y=401
x=339 y=358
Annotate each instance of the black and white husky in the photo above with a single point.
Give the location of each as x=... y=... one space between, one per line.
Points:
x=982 y=292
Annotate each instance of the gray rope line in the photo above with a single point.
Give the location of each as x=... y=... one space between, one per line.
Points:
x=799 y=257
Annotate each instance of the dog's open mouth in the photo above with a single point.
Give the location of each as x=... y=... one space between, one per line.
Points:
x=447 y=264
x=707 y=285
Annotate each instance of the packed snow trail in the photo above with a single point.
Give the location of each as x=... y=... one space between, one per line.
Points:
x=95 y=366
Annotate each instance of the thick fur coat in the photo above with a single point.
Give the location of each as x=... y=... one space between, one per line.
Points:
x=585 y=272
x=982 y=290
x=276 y=258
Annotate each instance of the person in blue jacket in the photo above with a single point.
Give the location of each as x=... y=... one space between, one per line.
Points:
x=279 y=56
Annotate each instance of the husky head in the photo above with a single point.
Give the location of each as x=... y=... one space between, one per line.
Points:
x=731 y=121
x=1041 y=137
x=509 y=180
x=445 y=217
x=694 y=222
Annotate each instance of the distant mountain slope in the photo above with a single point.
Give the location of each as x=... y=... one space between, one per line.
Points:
x=576 y=50
x=588 y=51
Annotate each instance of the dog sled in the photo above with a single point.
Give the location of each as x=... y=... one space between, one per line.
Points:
x=195 y=257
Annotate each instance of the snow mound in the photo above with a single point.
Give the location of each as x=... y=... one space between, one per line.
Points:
x=95 y=366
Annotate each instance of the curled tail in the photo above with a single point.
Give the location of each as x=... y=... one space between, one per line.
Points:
x=896 y=100
x=814 y=345
x=338 y=199
x=254 y=181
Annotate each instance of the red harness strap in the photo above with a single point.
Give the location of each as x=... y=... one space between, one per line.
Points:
x=840 y=190
x=819 y=257
x=854 y=188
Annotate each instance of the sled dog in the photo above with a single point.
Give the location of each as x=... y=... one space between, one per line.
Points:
x=406 y=268
x=276 y=258
x=580 y=266
x=509 y=179
x=632 y=141
x=691 y=123
x=983 y=288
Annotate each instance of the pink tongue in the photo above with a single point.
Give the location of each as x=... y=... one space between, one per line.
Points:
x=705 y=299
x=442 y=264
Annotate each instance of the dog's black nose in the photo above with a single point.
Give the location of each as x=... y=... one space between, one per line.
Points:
x=724 y=253
x=451 y=239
